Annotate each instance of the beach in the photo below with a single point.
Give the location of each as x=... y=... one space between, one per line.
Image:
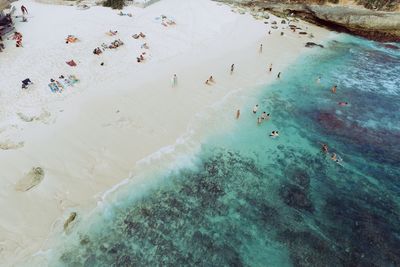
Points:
x=91 y=136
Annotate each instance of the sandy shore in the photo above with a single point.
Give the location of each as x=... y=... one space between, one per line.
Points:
x=90 y=137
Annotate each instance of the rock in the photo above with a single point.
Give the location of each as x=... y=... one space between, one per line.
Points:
x=296 y=197
x=30 y=180
x=304 y=33
x=311 y=44
x=372 y=24
x=283 y=22
x=391 y=46
x=70 y=219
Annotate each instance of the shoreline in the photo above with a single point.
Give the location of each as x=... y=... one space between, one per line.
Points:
x=84 y=154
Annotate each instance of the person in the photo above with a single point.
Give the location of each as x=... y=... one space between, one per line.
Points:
x=259 y=120
x=270 y=67
x=207 y=82
x=336 y=158
x=255 y=108
x=265 y=116
x=319 y=79
x=325 y=148
x=26 y=82
x=2 y=47
x=334 y=89
x=343 y=104
x=269 y=32
x=24 y=10
x=279 y=75
x=261 y=48
x=211 y=79
x=274 y=134
x=232 y=68
x=175 y=80
x=238 y=114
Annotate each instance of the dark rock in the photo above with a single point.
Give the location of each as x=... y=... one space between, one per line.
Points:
x=391 y=46
x=303 y=33
x=311 y=44
x=296 y=197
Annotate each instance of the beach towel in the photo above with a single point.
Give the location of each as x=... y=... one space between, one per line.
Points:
x=71 y=63
x=53 y=87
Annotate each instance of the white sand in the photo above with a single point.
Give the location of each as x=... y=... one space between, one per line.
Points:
x=90 y=137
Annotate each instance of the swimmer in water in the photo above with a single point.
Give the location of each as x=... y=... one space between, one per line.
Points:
x=324 y=148
x=343 y=104
x=274 y=134
x=334 y=89
x=336 y=158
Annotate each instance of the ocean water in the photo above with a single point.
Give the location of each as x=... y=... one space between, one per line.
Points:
x=247 y=199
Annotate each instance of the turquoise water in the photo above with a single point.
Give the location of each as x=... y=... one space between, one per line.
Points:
x=253 y=200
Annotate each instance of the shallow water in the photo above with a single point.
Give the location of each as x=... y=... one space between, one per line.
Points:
x=252 y=200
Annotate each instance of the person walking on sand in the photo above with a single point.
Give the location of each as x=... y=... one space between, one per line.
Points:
x=174 y=81
x=279 y=75
x=232 y=68
x=238 y=114
x=211 y=79
x=261 y=48
x=334 y=89
x=270 y=67
x=255 y=109
x=24 y=10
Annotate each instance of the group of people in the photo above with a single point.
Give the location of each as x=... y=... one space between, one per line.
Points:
x=210 y=81
x=336 y=158
x=57 y=86
x=114 y=44
x=139 y=35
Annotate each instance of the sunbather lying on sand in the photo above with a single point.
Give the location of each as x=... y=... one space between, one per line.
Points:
x=71 y=39
x=125 y=14
x=26 y=82
x=112 y=33
x=145 y=46
x=97 y=51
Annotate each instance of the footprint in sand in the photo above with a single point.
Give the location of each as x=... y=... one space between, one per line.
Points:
x=7 y=145
x=43 y=117
x=30 y=180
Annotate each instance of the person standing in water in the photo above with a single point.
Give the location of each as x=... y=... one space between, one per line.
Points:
x=238 y=114
x=270 y=67
x=232 y=68
x=324 y=148
x=261 y=48
x=174 y=81
x=334 y=89
x=279 y=75
x=24 y=10
x=255 y=109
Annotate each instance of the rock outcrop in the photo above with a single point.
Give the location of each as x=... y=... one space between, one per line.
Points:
x=371 y=24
